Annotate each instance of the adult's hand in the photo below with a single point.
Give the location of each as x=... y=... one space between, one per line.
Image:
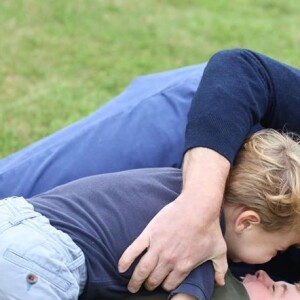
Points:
x=186 y=232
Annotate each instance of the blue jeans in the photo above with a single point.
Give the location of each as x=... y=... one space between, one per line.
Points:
x=37 y=261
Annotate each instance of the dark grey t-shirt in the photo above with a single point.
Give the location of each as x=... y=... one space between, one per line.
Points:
x=232 y=290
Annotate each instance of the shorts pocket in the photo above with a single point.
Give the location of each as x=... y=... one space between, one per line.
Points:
x=33 y=267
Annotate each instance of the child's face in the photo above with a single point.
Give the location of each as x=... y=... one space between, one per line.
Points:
x=253 y=245
x=261 y=287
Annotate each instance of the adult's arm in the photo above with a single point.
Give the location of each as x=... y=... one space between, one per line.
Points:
x=183 y=224
x=239 y=89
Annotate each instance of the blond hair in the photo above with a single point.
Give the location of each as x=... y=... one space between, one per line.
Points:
x=266 y=178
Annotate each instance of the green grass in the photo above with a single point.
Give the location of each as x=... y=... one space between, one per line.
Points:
x=60 y=60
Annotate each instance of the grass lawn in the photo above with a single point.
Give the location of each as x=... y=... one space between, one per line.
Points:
x=60 y=60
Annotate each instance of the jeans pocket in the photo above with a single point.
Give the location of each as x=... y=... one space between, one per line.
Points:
x=35 y=268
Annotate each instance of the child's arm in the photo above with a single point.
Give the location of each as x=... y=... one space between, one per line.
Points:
x=198 y=285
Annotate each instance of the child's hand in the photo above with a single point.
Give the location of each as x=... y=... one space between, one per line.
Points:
x=183 y=297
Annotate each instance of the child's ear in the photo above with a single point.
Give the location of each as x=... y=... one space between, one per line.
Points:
x=246 y=220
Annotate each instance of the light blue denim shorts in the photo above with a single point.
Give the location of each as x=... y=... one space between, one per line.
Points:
x=37 y=261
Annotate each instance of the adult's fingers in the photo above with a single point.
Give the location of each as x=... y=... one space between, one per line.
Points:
x=143 y=269
x=158 y=275
x=133 y=251
x=174 y=278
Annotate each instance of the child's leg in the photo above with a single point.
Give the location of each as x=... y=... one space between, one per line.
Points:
x=142 y=127
x=36 y=260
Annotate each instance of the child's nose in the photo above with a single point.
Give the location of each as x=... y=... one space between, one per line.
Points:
x=263 y=277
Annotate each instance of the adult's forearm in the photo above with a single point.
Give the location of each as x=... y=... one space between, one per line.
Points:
x=239 y=89
x=204 y=173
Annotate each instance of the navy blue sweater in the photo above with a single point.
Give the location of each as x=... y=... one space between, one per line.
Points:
x=103 y=214
x=239 y=89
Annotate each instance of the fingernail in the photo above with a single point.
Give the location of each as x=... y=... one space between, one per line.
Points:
x=131 y=289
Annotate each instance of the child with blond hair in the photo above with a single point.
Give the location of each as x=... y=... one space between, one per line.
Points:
x=65 y=243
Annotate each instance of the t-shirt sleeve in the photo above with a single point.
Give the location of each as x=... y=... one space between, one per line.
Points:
x=241 y=88
x=199 y=283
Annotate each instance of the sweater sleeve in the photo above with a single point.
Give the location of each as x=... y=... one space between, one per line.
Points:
x=241 y=88
x=199 y=283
